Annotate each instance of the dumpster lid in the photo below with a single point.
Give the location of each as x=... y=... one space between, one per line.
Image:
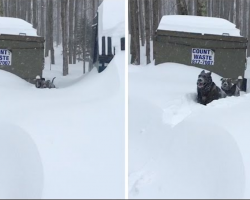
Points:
x=198 y=24
x=16 y=26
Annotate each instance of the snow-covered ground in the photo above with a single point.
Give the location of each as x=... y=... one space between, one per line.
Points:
x=181 y=149
x=66 y=142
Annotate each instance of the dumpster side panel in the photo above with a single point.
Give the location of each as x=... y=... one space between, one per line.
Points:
x=229 y=57
x=27 y=58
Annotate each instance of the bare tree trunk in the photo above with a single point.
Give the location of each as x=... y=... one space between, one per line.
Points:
x=95 y=5
x=147 y=27
x=84 y=35
x=58 y=23
x=42 y=18
x=151 y=19
x=215 y=8
x=248 y=17
x=237 y=14
x=243 y=17
x=64 y=36
x=135 y=40
x=155 y=16
x=142 y=28
x=71 y=35
x=47 y=37
x=129 y=18
x=75 y=30
x=22 y=4
x=231 y=11
x=13 y=8
x=181 y=7
x=199 y=7
x=51 y=38
x=29 y=9
x=34 y=19
x=160 y=10
x=4 y=8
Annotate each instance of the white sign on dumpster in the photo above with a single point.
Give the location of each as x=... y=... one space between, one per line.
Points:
x=202 y=56
x=5 y=57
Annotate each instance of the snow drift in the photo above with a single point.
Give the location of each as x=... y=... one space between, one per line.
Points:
x=21 y=166
x=181 y=149
x=78 y=131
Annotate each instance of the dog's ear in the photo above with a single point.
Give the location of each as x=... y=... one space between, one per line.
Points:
x=203 y=71
x=209 y=73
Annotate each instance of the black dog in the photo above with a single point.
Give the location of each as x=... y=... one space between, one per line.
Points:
x=230 y=88
x=207 y=90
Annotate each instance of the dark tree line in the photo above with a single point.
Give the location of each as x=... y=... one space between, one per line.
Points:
x=60 y=22
x=145 y=15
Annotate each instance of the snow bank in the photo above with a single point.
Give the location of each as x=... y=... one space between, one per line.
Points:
x=15 y=26
x=202 y=163
x=12 y=81
x=198 y=24
x=181 y=149
x=78 y=130
x=21 y=166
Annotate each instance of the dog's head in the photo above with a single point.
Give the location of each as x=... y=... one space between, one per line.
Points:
x=226 y=83
x=204 y=80
x=39 y=81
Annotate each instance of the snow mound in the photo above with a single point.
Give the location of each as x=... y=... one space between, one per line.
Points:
x=81 y=145
x=195 y=163
x=198 y=24
x=203 y=163
x=21 y=167
x=182 y=149
x=15 y=26
x=9 y=80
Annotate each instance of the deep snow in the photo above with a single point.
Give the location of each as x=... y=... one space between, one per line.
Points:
x=76 y=133
x=181 y=149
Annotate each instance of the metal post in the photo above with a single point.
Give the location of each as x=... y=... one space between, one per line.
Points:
x=109 y=46
x=103 y=46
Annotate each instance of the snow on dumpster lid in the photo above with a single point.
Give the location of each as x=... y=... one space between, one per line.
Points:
x=15 y=26
x=198 y=24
